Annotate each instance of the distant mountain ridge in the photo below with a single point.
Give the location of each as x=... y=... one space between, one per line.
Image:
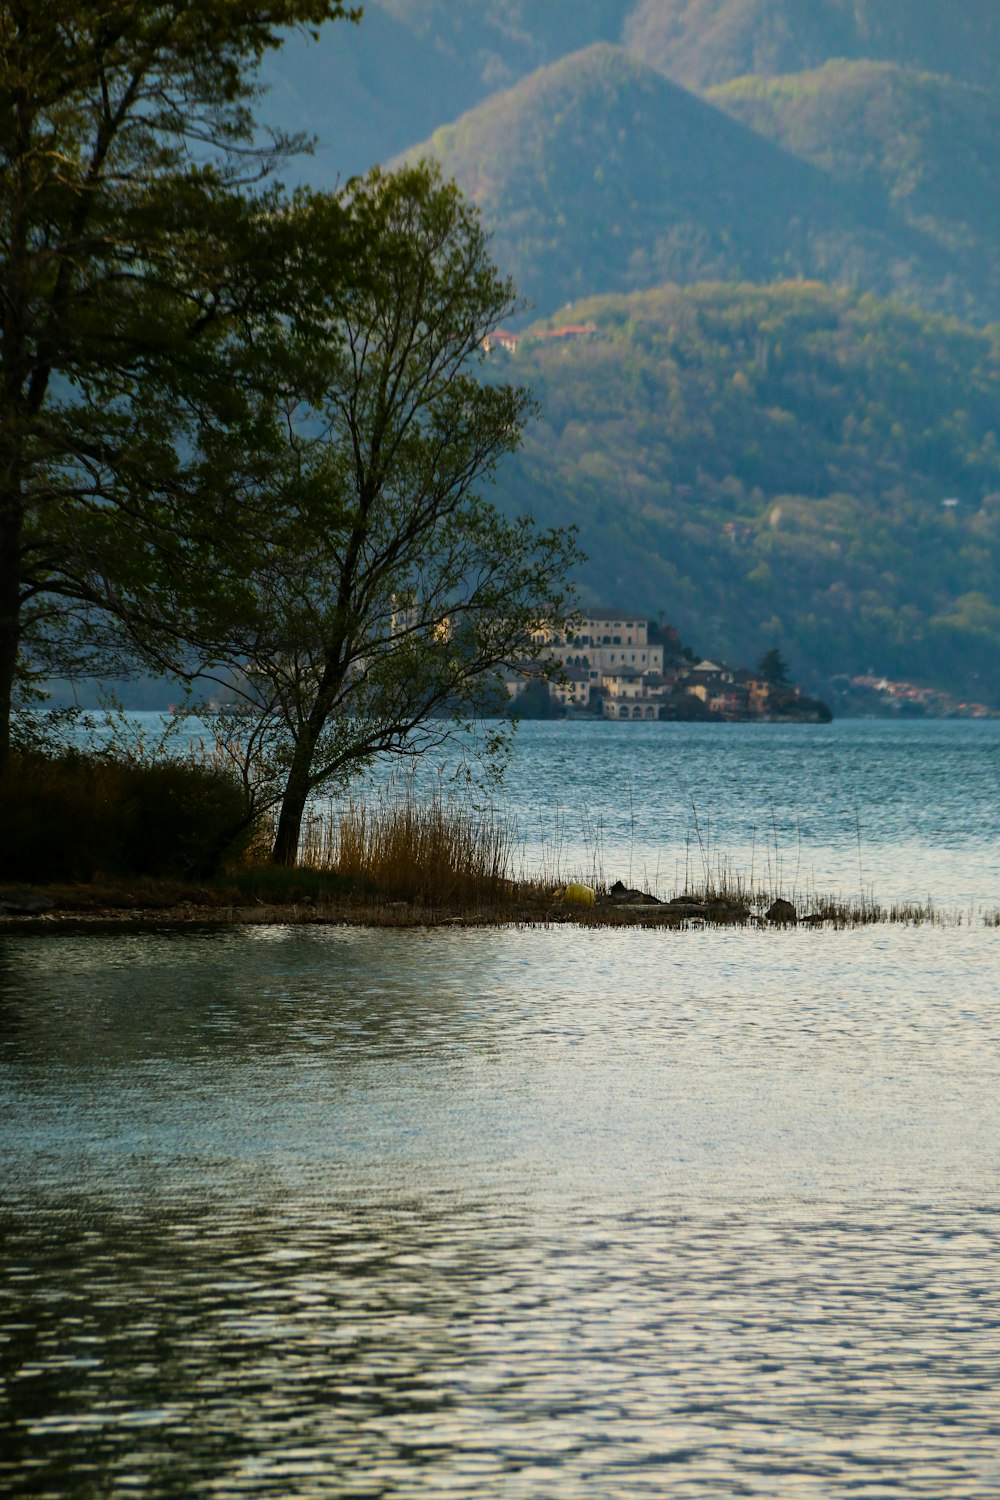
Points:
x=701 y=43
x=919 y=136
x=598 y=174
x=368 y=92
x=918 y=146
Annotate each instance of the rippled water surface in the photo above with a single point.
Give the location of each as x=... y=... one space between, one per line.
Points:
x=297 y=1212
x=911 y=810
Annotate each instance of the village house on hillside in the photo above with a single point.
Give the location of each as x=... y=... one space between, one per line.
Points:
x=612 y=669
x=508 y=342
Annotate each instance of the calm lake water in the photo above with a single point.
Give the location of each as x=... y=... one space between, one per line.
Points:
x=330 y=1212
x=911 y=810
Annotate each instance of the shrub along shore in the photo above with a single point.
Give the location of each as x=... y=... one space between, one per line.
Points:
x=93 y=842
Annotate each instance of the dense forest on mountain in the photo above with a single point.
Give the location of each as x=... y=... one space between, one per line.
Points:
x=916 y=146
x=770 y=466
x=597 y=174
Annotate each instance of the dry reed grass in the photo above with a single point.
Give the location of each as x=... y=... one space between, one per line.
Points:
x=431 y=853
x=441 y=854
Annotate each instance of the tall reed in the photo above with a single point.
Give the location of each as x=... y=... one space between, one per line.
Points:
x=432 y=852
x=437 y=852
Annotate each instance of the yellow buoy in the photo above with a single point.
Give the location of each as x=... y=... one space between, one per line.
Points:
x=580 y=895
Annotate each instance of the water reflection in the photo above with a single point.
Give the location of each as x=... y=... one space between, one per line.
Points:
x=258 y=993
x=321 y=1212
x=445 y=1345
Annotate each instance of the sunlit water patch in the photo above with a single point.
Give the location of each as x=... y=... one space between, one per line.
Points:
x=298 y=1212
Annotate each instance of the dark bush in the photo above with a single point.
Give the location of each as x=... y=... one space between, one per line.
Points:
x=181 y=818
x=74 y=816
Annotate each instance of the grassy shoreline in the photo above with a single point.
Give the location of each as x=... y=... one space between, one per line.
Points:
x=310 y=898
x=158 y=859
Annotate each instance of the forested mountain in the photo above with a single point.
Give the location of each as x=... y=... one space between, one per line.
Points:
x=931 y=145
x=762 y=460
x=368 y=92
x=704 y=42
x=597 y=174
x=771 y=465
x=917 y=146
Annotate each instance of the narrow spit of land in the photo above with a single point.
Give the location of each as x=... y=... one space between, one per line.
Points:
x=159 y=904
x=84 y=862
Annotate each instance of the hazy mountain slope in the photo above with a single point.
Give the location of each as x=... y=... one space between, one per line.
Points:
x=368 y=91
x=597 y=174
x=768 y=465
x=926 y=146
x=930 y=144
x=516 y=35
x=706 y=42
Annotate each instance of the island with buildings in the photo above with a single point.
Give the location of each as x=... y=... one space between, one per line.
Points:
x=618 y=665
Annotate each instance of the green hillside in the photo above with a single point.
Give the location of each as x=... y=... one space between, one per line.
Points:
x=705 y=42
x=921 y=147
x=769 y=466
x=929 y=145
x=368 y=91
x=597 y=174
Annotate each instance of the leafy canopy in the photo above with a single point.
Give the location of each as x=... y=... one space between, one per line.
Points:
x=135 y=238
x=391 y=592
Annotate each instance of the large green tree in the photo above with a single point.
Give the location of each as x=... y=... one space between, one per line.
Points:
x=136 y=247
x=390 y=594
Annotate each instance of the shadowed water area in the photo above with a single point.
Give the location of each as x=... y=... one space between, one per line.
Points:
x=297 y=1212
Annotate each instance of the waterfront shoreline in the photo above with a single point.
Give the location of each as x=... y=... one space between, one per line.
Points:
x=189 y=917
x=384 y=915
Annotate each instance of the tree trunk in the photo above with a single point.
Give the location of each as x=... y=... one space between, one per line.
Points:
x=299 y=782
x=11 y=521
x=293 y=803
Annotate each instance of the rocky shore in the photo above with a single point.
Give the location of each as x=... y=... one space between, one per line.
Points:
x=148 y=907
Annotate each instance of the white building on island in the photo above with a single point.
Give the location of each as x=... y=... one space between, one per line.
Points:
x=606 y=641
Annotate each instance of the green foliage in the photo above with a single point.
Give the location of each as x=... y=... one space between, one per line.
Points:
x=773 y=667
x=384 y=594
x=75 y=816
x=135 y=241
x=535 y=702
x=597 y=174
x=770 y=463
